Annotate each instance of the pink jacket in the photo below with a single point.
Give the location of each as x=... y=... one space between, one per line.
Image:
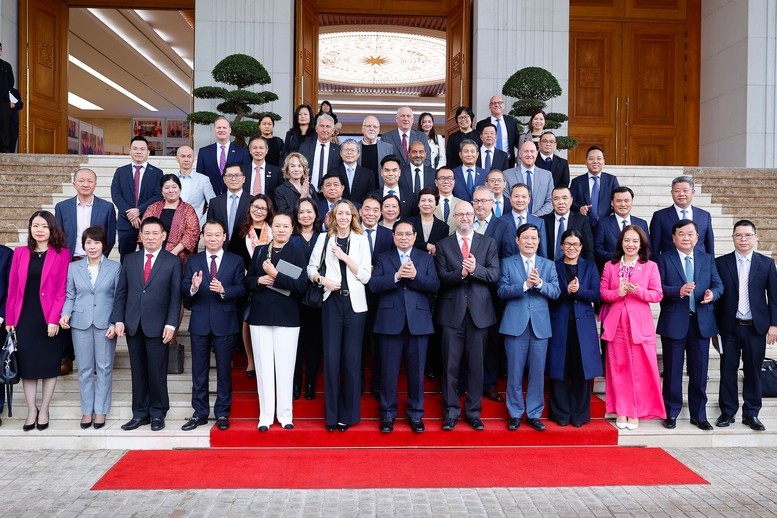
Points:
x=53 y=285
x=637 y=304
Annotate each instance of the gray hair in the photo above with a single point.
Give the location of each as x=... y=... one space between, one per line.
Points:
x=467 y=141
x=479 y=188
x=683 y=179
x=325 y=116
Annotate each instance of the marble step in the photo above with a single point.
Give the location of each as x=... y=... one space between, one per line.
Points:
x=653 y=434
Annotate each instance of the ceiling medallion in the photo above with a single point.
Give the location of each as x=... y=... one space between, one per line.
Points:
x=375 y=61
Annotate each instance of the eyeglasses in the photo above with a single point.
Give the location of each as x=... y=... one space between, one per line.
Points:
x=445 y=179
x=464 y=215
x=233 y=176
x=481 y=202
x=370 y=126
x=744 y=236
x=403 y=234
x=575 y=246
x=495 y=180
x=546 y=141
x=462 y=117
x=259 y=208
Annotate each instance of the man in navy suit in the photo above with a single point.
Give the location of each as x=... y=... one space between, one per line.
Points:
x=539 y=180
x=690 y=283
x=261 y=176
x=506 y=127
x=147 y=311
x=404 y=135
x=520 y=195
x=558 y=167
x=323 y=155
x=561 y=219
x=332 y=190
x=607 y=231
x=404 y=281
x=495 y=180
x=389 y=171
x=358 y=181
x=213 y=158
x=592 y=191
x=491 y=157
x=214 y=280
x=468 y=175
x=6 y=255
x=231 y=207
x=135 y=186
x=664 y=219
x=416 y=175
x=747 y=319
x=88 y=210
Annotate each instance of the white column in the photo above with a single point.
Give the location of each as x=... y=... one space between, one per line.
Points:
x=9 y=34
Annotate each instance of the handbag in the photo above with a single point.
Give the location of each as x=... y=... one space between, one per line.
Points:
x=769 y=378
x=314 y=294
x=175 y=358
x=9 y=368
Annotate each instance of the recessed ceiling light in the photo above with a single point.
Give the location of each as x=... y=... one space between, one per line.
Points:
x=80 y=102
x=89 y=70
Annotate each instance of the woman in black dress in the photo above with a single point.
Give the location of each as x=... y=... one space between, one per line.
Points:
x=464 y=118
x=274 y=144
x=428 y=228
x=36 y=294
x=302 y=127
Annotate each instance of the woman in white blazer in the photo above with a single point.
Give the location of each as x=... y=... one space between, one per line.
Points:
x=348 y=261
x=91 y=286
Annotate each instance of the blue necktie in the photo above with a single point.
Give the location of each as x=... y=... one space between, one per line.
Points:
x=595 y=201
x=561 y=229
x=499 y=135
x=528 y=184
x=470 y=183
x=488 y=160
x=369 y=238
x=232 y=214
x=689 y=278
x=392 y=192
x=498 y=209
x=446 y=210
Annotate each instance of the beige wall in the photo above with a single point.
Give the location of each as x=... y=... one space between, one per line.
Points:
x=116 y=132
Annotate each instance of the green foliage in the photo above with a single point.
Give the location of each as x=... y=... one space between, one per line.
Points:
x=240 y=70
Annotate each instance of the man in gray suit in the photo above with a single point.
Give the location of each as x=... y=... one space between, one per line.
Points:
x=371 y=150
x=539 y=180
x=404 y=135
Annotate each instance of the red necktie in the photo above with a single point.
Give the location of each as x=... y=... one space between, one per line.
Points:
x=137 y=183
x=257 y=189
x=147 y=268
x=213 y=269
x=404 y=145
x=464 y=247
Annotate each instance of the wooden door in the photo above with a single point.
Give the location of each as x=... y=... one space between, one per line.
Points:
x=306 y=74
x=457 y=78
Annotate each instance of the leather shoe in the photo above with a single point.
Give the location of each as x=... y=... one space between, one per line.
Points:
x=493 y=395
x=84 y=426
x=476 y=423
x=375 y=394
x=330 y=428
x=135 y=423
x=66 y=367
x=417 y=425
x=251 y=374
x=448 y=424
x=263 y=428
x=157 y=424
x=288 y=426
x=754 y=423
x=670 y=423
x=342 y=427
x=536 y=424
x=514 y=423
x=724 y=420
x=97 y=425
x=295 y=393
x=702 y=425
x=222 y=423
x=194 y=422
x=310 y=392
x=387 y=425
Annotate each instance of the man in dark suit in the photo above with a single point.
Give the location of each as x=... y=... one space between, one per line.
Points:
x=135 y=186
x=415 y=175
x=371 y=150
x=404 y=135
x=506 y=127
x=467 y=265
x=261 y=176
x=607 y=231
x=231 y=207
x=147 y=311
x=358 y=181
x=404 y=280
x=468 y=175
x=520 y=195
x=6 y=83
x=490 y=156
x=592 y=191
x=87 y=209
x=690 y=283
x=213 y=158
x=322 y=154
x=664 y=219
x=389 y=171
x=214 y=280
x=332 y=190
x=747 y=319
x=561 y=219
x=13 y=128
x=6 y=255
x=495 y=180
x=558 y=167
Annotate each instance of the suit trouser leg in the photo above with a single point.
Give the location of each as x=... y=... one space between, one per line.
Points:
x=262 y=344
x=104 y=354
x=157 y=355
x=332 y=322
x=728 y=394
x=349 y=407
x=579 y=387
x=284 y=340
x=698 y=352
x=474 y=346
x=491 y=359
x=415 y=360
x=83 y=341
x=672 y=389
x=223 y=346
x=535 y=391
x=559 y=390
x=391 y=348
x=753 y=348
x=200 y=346
x=139 y=372
x=452 y=344
x=517 y=350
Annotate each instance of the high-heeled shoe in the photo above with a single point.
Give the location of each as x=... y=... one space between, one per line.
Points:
x=28 y=427
x=41 y=426
x=295 y=392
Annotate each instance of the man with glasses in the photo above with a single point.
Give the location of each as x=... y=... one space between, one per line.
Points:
x=561 y=219
x=358 y=181
x=549 y=160
x=404 y=135
x=506 y=127
x=416 y=175
x=445 y=182
x=371 y=150
x=520 y=196
x=468 y=174
x=230 y=208
x=262 y=177
x=495 y=180
x=468 y=266
x=491 y=157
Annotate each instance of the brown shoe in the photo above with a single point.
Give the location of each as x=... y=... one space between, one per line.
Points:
x=493 y=395
x=66 y=367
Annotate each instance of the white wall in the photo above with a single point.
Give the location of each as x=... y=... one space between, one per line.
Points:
x=9 y=34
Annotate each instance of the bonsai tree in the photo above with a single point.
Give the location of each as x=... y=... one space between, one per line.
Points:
x=240 y=71
x=533 y=86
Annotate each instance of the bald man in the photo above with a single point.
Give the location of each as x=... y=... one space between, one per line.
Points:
x=196 y=189
x=506 y=127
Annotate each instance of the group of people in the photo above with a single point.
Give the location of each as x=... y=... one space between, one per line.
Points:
x=492 y=262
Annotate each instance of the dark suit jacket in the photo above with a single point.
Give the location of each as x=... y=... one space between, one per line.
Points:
x=674 y=319
x=123 y=191
x=268 y=307
x=509 y=247
x=761 y=289
x=273 y=177
x=210 y=312
x=407 y=177
x=363 y=183
x=6 y=255
x=575 y=221
x=406 y=303
x=103 y=213
x=217 y=209
x=440 y=230
x=661 y=230
x=310 y=147
x=460 y=186
x=407 y=199
x=393 y=138
x=559 y=168
x=606 y=236
x=153 y=305
x=473 y=292
x=500 y=160
x=512 y=133
x=208 y=163
x=384 y=240
x=581 y=194
x=323 y=207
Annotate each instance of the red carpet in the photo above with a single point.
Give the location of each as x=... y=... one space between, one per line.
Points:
x=396 y=468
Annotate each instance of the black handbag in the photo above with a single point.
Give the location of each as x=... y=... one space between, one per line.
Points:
x=769 y=378
x=314 y=295
x=175 y=359
x=9 y=369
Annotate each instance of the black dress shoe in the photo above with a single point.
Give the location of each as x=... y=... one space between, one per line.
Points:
x=417 y=425
x=263 y=428
x=753 y=422
x=331 y=428
x=432 y=376
x=476 y=423
x=342 y=427
x=157 y=424
x=97 y=425
x=536 y=424
x=310 y=392
x=670 y=423
x=28 y=427
x=222 y=423
x=288 y=426
x=135 y=423
x=493 y=395
x=194 y=422
x=724 y=420
x=295 y=393
x=702 y=425
x=576 y=424
x=375 y=394
x=44 y=426
x=251 y=374
x=448 y=424
x=387 y=425
x=84 y=426
x=514 y=423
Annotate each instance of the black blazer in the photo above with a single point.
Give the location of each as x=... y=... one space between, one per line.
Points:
x=286 y=197
x=309 y=150
x=212 y=313
x=559 y=169
x=208 y=163
x=575 y=221
x=123 y=191
x=407 y=177
x=218 y=210
x=268 y=307
x=363 y=183
x=500 y=160
x=273 y=177
x=761 y=289
x=512 y=133
x=454 y=141
x=440 y=230
x=407 y=199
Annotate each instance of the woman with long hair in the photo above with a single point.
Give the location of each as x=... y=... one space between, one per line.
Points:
x=436 y=142
x=326 y=107
x=303 y=126
x=537 y=122
x=296 y=183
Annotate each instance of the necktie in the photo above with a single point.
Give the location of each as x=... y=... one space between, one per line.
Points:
x=213 y=269
x=369 y=239
x=137 y=183
x=470 y=183
x=519 y=222
x=547 y=161
x=404 y=145
x=147 y=268
x=417 y=180
x=623 y=224
x=257 y=188
x=528 y=184
x=392 y=192
x=595 y=201
x=744 y=295
x=320 y=165
x=232 y=213
x=498 y=209
x=223 y=159
x=528 y=267
x=689 y=278
x=446 y=210
x=488 y=160
x=561 y=229
x=349 y=172
x=403 y=258
x=464 y=247
x=684 y=214
x=482 y=227
x=499 y=135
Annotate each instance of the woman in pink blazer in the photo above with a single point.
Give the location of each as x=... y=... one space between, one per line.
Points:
x=629 y=284
x=36 y=293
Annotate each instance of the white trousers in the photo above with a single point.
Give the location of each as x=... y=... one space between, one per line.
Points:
x=275 y=353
